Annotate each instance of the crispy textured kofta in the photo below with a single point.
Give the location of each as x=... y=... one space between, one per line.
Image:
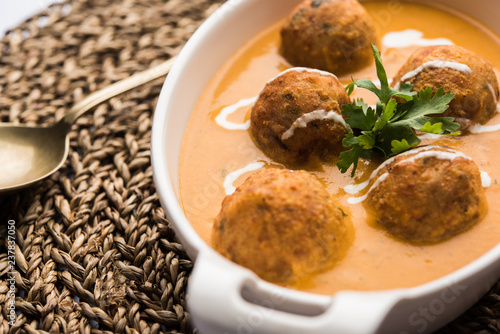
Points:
x=426 y=195
x=283 y=225
x=331 y=35
x=298 y=116
x=460 y=71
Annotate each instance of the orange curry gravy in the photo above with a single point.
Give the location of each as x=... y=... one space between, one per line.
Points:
x=375 y=260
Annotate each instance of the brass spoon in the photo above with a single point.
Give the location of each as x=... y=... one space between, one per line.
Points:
x=29 y=154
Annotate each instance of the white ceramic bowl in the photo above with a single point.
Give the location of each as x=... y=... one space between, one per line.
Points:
x=226 y=298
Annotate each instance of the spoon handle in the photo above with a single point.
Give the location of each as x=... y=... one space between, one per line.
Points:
x=115 y=89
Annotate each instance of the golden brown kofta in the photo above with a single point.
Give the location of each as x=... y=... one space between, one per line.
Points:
x=298 y=116
x=460 y=71
x=331 y=35
x=283 y=225
x=427 y=195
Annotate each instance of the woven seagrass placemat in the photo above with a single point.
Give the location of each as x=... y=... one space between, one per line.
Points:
x=95 y=252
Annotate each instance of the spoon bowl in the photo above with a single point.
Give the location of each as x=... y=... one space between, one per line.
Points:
x=29 y=154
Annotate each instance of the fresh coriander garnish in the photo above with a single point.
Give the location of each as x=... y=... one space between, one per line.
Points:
x=389 y=127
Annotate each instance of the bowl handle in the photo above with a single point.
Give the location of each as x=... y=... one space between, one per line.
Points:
x=219 y=293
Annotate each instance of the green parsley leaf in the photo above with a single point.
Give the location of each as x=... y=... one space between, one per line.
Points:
x=426 y=104
x=406 y=92
x=432 y=128
x=366 y=140
x=395 y=132
x=348 y=158
x=350 y=140
x=387 y=115
x=390 y=128
x=350 y=88
x=449 y=125
x=360 y=115
x=400 y=146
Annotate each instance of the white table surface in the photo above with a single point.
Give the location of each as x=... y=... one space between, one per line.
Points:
x=13 y=12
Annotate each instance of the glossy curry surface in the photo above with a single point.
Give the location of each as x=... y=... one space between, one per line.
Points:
x=375 y=261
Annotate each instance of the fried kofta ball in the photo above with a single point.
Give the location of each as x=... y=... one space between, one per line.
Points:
x=283 y=225
x=460 y=71
x=427 y=195
x=298 y=116
x=331 y=35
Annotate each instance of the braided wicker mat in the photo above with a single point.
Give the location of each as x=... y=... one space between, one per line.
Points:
x=95 y=252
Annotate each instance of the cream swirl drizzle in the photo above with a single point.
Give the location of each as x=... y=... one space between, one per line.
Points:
x=409 y=37
x=463 y=68
x=221 y=118
x=229 y=188
x=305 y=119
x=495 y=97
x=478 y=128
x=355 y=188
x=421 y=152
x=485 y=179
x=301 y=70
